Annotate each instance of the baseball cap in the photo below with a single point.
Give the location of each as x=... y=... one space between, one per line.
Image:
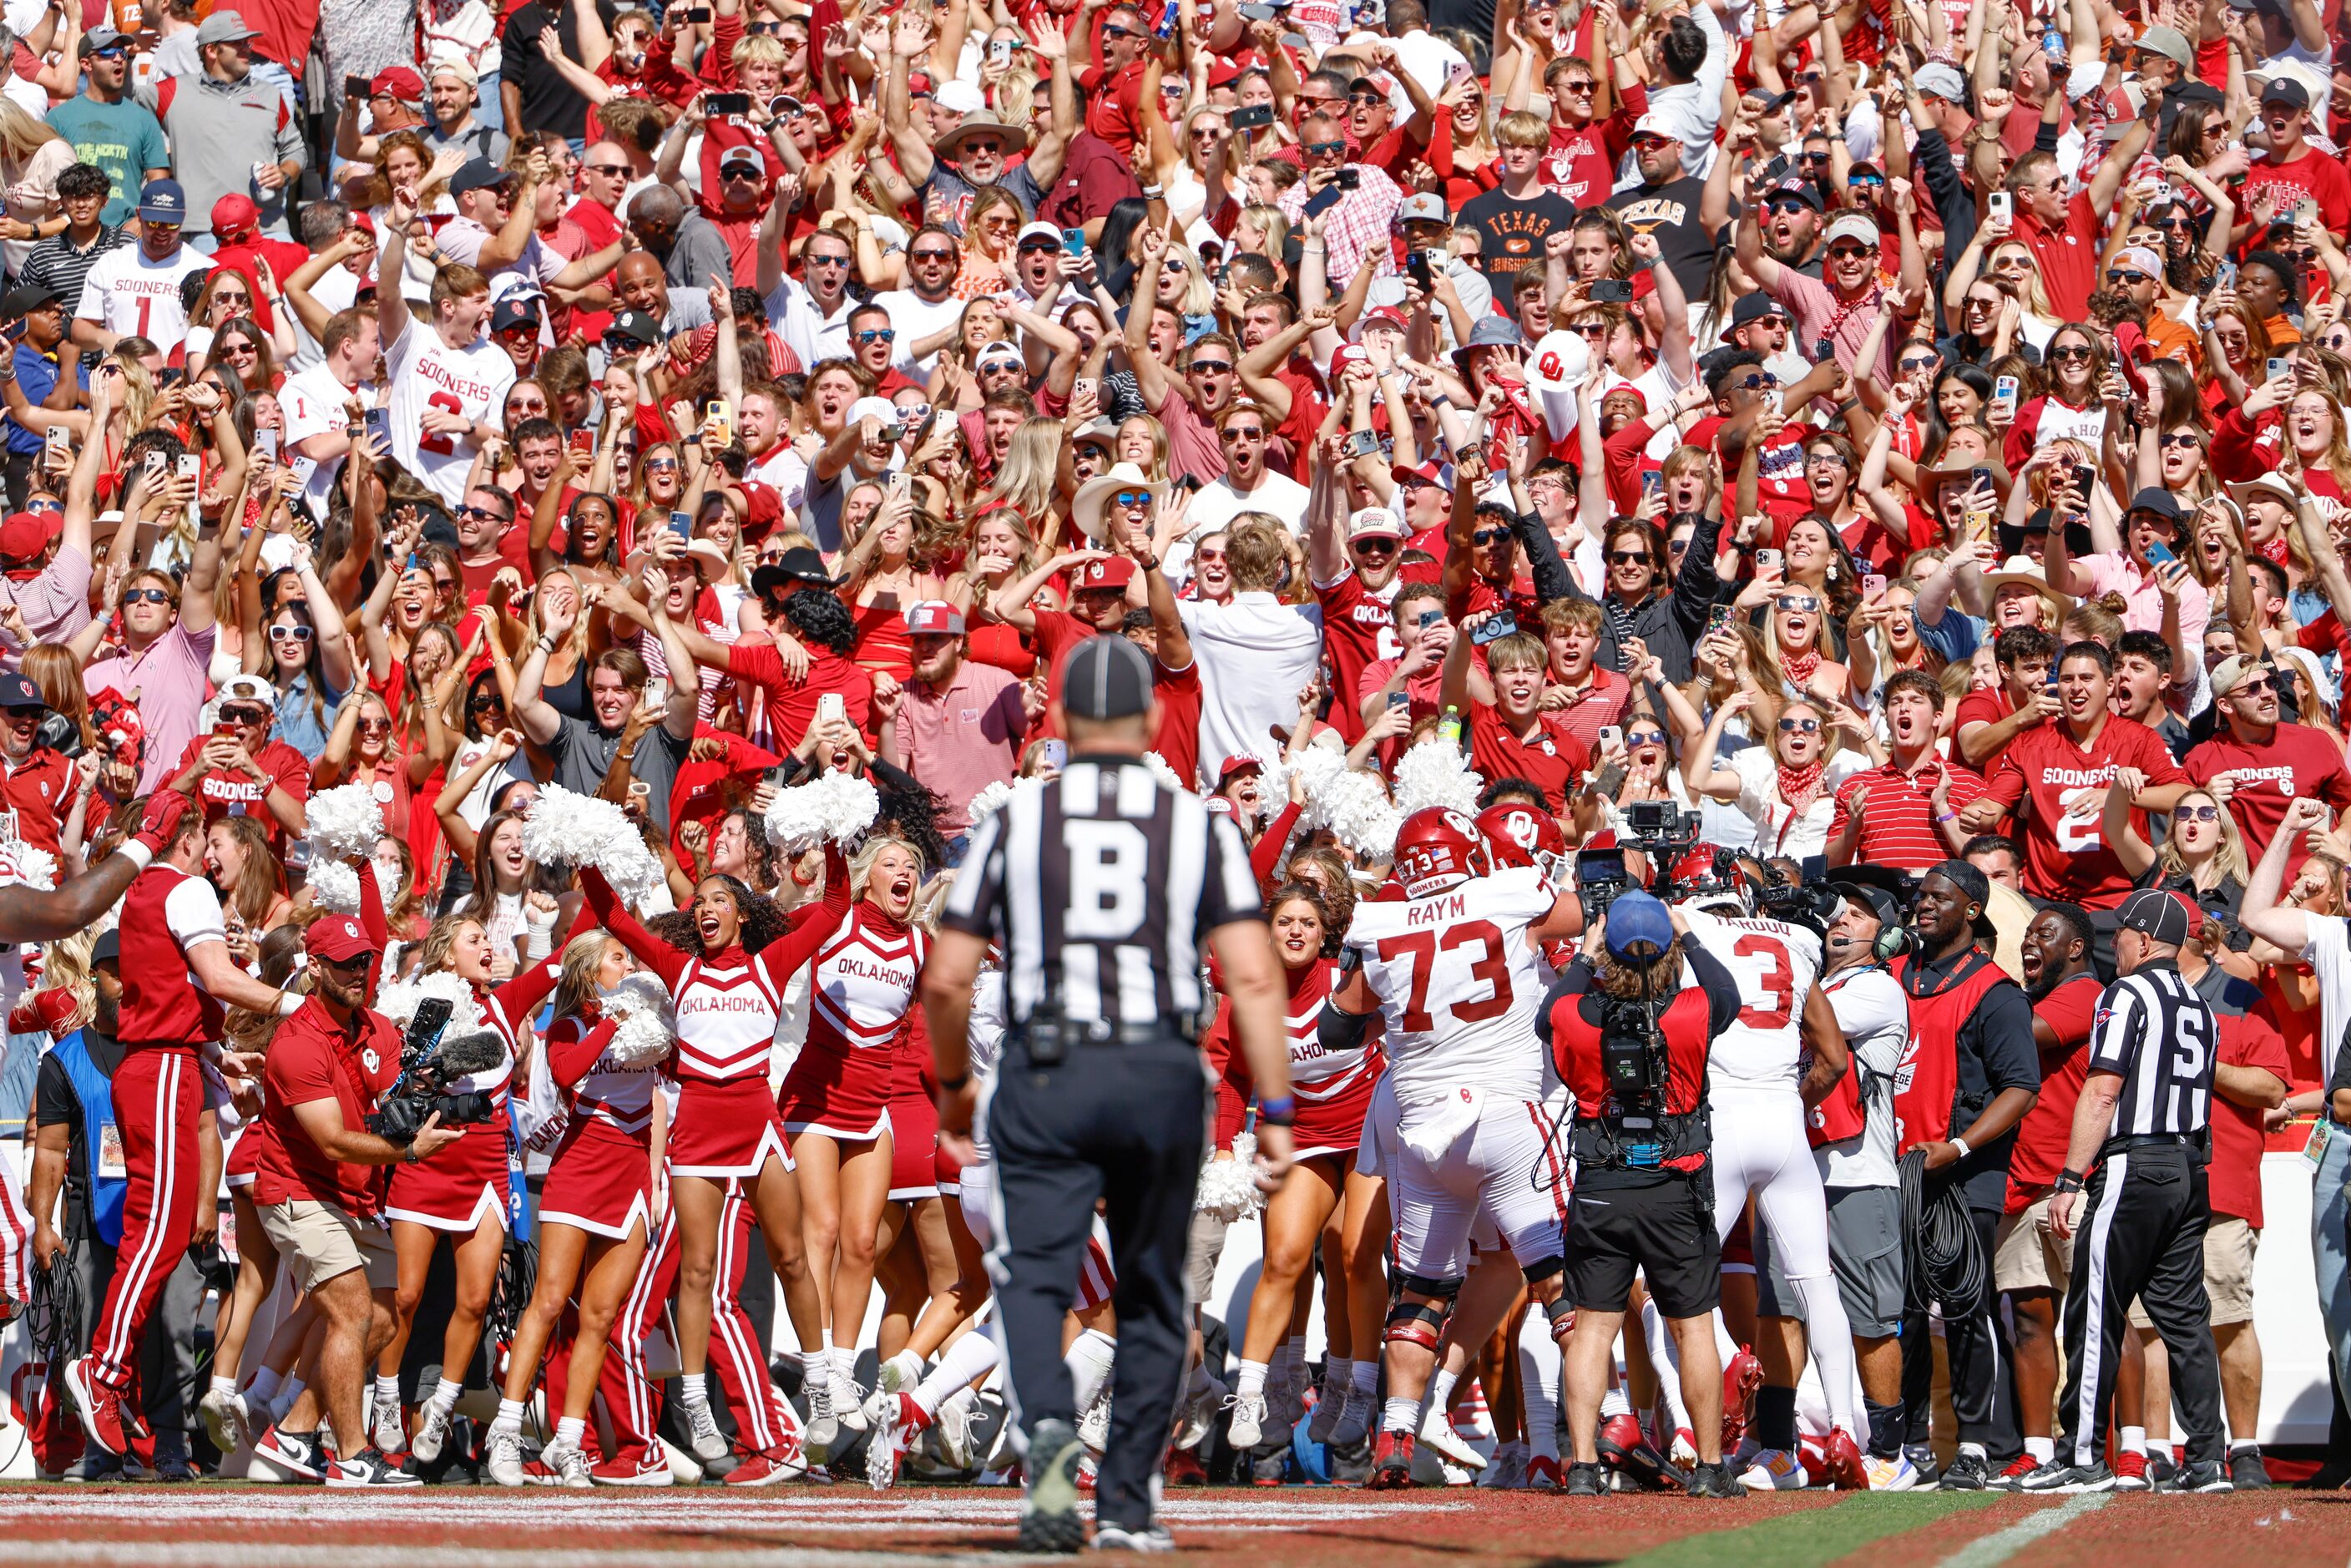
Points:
x=2285 y=89
x=107 y=950
x=26 y=534
x=1345 y=354
x=162 y=201
x=1854 y=226
x=1652 y=127
x=235 y=216
x=1233 y=766
x=246 y=689
x=400 y=82
x=1372 y=523
x=223 y=28
x=339 y=939
x=1972 y=883
x=2159 y=501
x=636 y=326
x=99 y=39
x=1794 y=189
x=1037 y=231
x=2169 y=43
x=514 y=311
x=1384 y=316
x=1943 y=81
x=1429 y=473
x=1639 y=926
x=1107 y=677
x=2155 y=912
x=958 y=97
x=478 y=175
x=17 y=691
x=1001 y=350
x=1751 y=308
x=2139 y=256
x=25 y=299
x=934 y=618
x=1423 y=207
x=2231 y=671
x=1112 y=571
x=739 y=154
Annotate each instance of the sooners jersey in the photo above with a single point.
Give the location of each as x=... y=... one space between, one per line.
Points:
x=1775 y=965
x=425 y=372
x=1460 y=985
x=2066 y=857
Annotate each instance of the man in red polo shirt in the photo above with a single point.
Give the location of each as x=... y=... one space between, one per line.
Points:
x=1113 y=90
x=2261 y=763
x=2063 y=235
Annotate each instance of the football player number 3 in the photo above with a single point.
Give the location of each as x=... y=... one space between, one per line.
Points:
x=1776 y=983
x=1490 y=968
x=444 y=445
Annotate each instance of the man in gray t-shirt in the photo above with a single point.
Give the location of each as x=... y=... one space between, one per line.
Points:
x=584 y=749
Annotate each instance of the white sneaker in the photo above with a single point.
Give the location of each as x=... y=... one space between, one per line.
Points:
x=1200 y=1410
x=1327 y=1410
x=385 y=1429
x=1508 y=1471
x=1094 y=1426
x=1249 y=1417
x=431 y=1431
x=823 y=1429
x=847 y=1406
x=953 y=1429
x=567 y=1460
x=502 y=1457
x=1436 y=1434
x=1896 y=1474
x=899 y=1373
x=708 y=1443
x=228 y=1420
x=1774 y=1469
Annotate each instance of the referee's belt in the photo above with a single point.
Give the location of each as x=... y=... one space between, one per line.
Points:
x=1065 y=1032
x=2197 y=1144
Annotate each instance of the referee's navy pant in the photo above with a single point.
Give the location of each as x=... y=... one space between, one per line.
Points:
x=1983 y=1394
x=2141 y=1226
x=1126 y=1124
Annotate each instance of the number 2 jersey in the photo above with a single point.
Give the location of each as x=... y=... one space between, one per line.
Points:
x=1460 y=985
x=2067 y=858
x=1775 y=965
x=425 y=373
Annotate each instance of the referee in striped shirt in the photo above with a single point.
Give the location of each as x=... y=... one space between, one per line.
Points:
x=1100 y=889
x=2141 y=1134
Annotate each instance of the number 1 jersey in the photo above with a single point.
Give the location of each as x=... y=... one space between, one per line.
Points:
x=425 y=373
x=1460 y=985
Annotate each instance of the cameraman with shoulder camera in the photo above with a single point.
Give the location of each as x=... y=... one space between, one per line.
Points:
x=1631 y=1022
x=319 y=1196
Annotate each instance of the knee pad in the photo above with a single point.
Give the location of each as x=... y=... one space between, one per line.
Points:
x=1561 y=1313
x=1416 y=1323
x=1422 y=1285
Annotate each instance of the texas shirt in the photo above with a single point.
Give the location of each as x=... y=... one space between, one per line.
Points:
x=2066 y=857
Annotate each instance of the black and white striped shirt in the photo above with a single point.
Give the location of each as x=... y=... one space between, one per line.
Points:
x=1099 y=888
x=2155 y=1030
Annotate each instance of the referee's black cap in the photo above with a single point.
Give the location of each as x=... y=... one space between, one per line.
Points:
x=1106 y=677
x=2157 y=915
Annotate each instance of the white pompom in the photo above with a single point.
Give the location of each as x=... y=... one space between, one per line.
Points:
x=1317 y=768
x=834 y=807
x=567 y=829
x=1435 y=773
x=646 y=1028
x=335 y=887
x=397 y=999
x=1358 y=813
x=1229 y=1189
x=28 y=865
x=343 y=823
x=1163 y=773
x=994 y=797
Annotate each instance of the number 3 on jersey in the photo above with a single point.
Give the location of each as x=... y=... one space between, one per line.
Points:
x=1490 y=970
x=1767 y=991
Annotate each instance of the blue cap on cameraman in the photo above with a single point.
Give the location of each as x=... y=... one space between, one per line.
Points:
x=1640 y=927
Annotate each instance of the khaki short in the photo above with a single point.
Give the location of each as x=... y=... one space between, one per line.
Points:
x=2028 y=1255
x=2229 y=1247
x=324 y=1242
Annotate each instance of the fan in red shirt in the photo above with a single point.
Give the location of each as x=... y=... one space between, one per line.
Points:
x=2266 y=763
x=2061 y=773
x=1987 y=720
x=1509 y=737
x=811 y=658
x=1357 y=592
x=2063 y=235
x=2029 y=1263
x=36 y=782
x=237 y=771
x=1905 y=813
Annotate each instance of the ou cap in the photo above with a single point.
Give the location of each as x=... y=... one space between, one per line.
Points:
x=339 y=939
x=1107 y=677
x=934 y=618
x=1111 y=571
x=1372 y=523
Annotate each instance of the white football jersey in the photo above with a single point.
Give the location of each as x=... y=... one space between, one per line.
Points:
x=1460 y=985
x=1775 y=965
x=425 y=372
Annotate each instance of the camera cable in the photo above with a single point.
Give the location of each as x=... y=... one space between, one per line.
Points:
x=1945 y=1253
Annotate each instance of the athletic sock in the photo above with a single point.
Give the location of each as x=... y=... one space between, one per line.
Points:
x=2159 y=1445
x=509 y=1416
x=445 y=1396
x=387 y=1391
x=1338 y=1374
x=571 y=1429
x=694 y=1390
x=1665 y=1356
x=224 y=1385
x=816 y=1368
x=1366 y=1378
x=2041 y=1449
x=2134 y=1440
x=1294 y=1358
x=287 y=1392
x=1614 y=1404
x=1252 y=1379
x=1440 y=1390
x=1775 y=1418
x=1400 y=1416
x=1885 y=1430
x=2240 y=1444
x=1539 y=1374
x=960 y=1365
x=1091 y=1359
x=1975 y=1448
x=264 y=1386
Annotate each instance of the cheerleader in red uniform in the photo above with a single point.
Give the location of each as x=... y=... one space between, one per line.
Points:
x=595 y=1210
x=1334 y=1065
x=462 y=1191
x=836 y=1101
x=727 y=979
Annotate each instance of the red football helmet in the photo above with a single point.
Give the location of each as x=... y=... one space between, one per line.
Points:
x=1708 y=874
x=1521 y=835
x=1436 y=847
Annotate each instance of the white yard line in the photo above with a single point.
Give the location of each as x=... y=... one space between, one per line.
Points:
x=2002 y=1544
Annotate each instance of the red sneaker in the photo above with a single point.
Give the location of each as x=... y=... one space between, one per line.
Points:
x=645 y=1467
x=1841 y=1458
x=1741 y=1377
x=769 y=1468
x=1542 y=1474
x=2024 y=1465
x=1623 y=1447
x=101 y=1407
x=1185 y=1468
x=1392 y=1463
x=2130 y=1471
